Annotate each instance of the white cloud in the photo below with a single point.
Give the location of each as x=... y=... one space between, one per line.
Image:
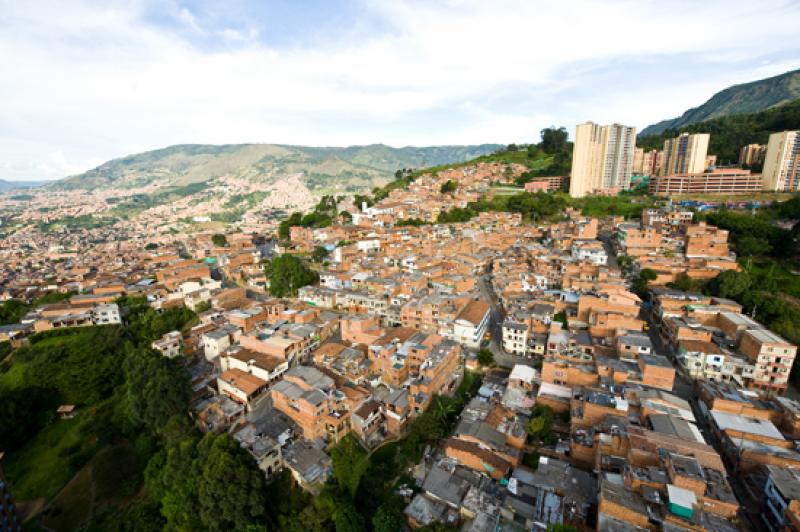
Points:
x=89 y=82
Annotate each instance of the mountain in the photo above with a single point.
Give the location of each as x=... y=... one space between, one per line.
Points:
x=730 y=133
x=322 y=170
x=745 y=98
x=17 y=185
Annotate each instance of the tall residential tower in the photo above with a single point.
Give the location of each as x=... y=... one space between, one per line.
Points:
x=602 y=159
x=685 y=154
x=782 y=162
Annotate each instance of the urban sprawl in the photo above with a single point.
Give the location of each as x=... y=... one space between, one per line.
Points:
x=596 y=398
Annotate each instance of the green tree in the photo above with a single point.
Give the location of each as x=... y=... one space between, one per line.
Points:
x=230 y=487
x=347 y=519
x=731 y=284
x=23 y=411
x=449 y=186
x=554 y=140
x=360 y=199
x=287 y=274
x=540 y=426
x=210 y=484
x=319 y=254
x=641 y=285
x=158 y=389
x=388 y=518
x=219 y=240
x=485 y=358
x=350 y=461
x=748 y=246
x=12 y=311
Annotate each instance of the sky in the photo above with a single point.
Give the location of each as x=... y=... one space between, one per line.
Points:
x=83 y=82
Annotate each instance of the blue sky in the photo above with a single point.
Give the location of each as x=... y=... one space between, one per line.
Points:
x=84 y=82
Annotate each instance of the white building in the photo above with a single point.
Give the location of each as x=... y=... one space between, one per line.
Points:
x=106 y=314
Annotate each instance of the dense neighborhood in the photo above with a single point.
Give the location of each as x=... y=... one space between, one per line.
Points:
x=500 y=371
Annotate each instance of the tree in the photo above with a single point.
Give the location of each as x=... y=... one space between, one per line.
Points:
x=230 y=487
x=731 y=284
x=388 y=518
x=319 y=254
x=151 y=246
x=360 y=199
x=12 y=311
x=210 y=484
x=23 y=411
x=347 y=519
x=641 y=285
x=158 y=389
x=485 y=358
x=350 y=461
x=554 y=140
x=219 y=240
x=449 y=186
x=287 y=274
x=748 y=246
x=540 y=427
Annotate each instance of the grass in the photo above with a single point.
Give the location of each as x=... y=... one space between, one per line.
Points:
x=109 y=481
x=14 y=377
x=780 y=272
x=49 y=460
x=73 y=506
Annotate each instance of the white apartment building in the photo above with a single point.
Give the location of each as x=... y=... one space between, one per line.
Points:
x=602 y=159
x=782 y=162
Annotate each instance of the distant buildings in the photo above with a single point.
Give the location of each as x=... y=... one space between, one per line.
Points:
x=685 y=154
x=721 y=181
x=782 y=162
x=602 y=159
x=651 y=162
x=751 y=154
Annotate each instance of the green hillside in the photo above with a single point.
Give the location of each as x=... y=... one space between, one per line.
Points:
x=745 y=98
x=730 y=133
x=355 y=168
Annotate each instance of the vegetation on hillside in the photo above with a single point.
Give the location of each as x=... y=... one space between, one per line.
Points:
x=131 y=402
x=744 y=98
x=12 y=310
x=323 y=215
x=768 y=285
x=548 y=206
x=730 y=133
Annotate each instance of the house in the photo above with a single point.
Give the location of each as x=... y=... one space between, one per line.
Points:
x=169 y=344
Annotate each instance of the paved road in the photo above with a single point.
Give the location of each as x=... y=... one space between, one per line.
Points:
x=497 y=316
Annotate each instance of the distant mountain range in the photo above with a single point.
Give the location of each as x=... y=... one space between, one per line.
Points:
x=745 y=98
x=17 y=185
x=324 y=170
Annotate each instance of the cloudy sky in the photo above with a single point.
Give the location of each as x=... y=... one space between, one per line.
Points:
x=84 y=82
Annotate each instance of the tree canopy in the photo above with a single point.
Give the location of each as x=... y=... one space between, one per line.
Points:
x=287 y=273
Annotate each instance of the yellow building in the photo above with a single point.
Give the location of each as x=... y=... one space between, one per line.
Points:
x=782 y=162
x=602 y=159
x=751 y=154
x=685 y=154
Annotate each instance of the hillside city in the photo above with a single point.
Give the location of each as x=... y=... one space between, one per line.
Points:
x=565 y=335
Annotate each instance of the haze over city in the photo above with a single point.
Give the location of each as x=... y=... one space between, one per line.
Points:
x=84 y=82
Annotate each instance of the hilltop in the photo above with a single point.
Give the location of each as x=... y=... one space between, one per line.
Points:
x=745 y=98
x=321 y=169
x=730 y=133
